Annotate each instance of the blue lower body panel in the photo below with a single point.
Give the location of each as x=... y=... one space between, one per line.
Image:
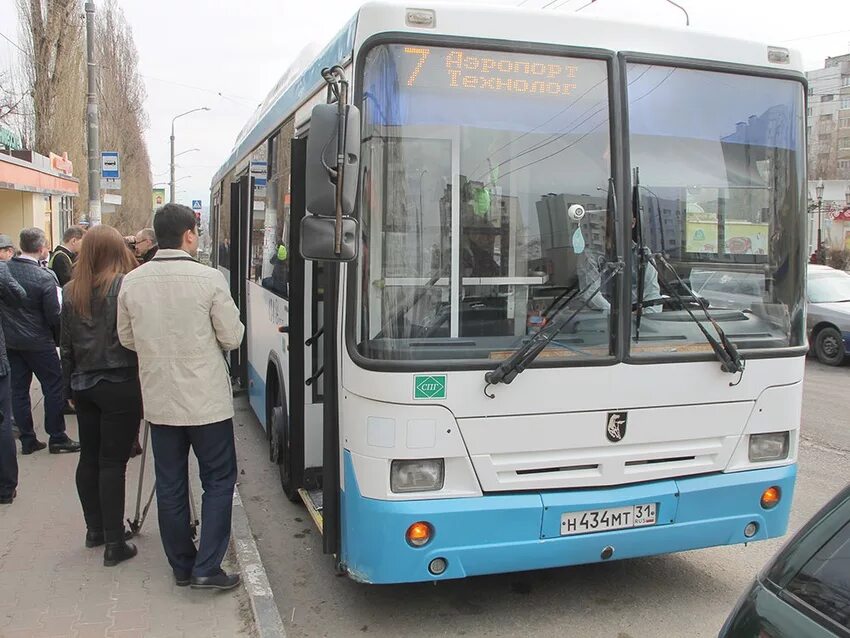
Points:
x=257 y=394
x=517 y=532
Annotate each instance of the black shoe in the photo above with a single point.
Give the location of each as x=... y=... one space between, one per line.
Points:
x=35 y=446
x=7 y=500
x=69 y=445
x=118 y=552
x=96 y=539
x=182 y=580
x=220 y=581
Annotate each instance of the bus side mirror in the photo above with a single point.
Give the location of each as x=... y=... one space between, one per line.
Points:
x=317 y=238
x=325 y=157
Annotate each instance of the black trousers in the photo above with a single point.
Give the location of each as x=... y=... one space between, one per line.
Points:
x=108 y=416
x=216 y=453
x=8 y=450
x=45 y=365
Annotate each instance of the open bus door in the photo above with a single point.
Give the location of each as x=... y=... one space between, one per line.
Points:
x=309 y=459
x=241 y=206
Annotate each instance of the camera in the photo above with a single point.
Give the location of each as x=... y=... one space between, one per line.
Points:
x=130 y=240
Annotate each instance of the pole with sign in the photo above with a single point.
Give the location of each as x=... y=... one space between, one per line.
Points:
x=110 y=171
x=196 y=207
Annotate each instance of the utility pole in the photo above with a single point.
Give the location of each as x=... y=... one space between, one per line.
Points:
x=174 y=119
x=171 y=197
x=93 y=127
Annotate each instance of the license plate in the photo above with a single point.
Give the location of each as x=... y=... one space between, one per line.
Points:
x=608 y=519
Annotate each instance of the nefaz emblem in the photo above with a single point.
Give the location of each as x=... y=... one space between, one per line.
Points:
x=616 y=429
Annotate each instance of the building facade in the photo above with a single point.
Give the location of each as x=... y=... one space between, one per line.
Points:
x=36 y=191
x=828 y=119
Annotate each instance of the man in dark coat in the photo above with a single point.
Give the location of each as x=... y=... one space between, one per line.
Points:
x=31 y=347
x=62 y=259
x=11 y=294
x=146 y=246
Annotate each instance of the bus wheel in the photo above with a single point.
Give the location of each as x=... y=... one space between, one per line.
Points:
x=280 y=442
x=276 y=434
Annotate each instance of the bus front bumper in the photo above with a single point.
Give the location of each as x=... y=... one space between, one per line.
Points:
x=522 y=531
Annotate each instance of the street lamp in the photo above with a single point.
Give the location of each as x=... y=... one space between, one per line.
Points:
x=187 y=151
x=174 y=119
x=819 y=194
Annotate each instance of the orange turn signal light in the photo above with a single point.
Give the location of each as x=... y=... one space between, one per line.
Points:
x=419 y=533
x=770 y=498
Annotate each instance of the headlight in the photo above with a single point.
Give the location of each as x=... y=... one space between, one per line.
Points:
x=417 y=475
x=768 y=447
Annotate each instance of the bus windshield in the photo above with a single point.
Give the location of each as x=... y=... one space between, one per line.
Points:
x=483 y=203
x=720 y=160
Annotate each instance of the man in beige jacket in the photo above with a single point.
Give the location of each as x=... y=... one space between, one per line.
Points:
x=178 y=315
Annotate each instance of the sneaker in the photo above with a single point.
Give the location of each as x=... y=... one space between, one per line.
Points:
x=35 y=446
x=68 y=445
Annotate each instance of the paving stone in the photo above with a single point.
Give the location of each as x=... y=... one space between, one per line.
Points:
x=132 y=619
x=52 y=625
x=91 y=630
x=50 y=584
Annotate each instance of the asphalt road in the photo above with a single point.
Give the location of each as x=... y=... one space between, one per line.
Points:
x=686 y=594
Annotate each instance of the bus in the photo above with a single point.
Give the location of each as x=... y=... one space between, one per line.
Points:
x=523 y=289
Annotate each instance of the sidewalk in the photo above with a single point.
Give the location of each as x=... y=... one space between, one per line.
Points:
x=51 y=585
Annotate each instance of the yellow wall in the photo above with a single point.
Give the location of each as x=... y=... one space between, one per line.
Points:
x=19 y=210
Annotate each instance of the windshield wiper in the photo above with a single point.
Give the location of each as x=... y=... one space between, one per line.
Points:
x=508 y=370
x=725 y=350
x=641 y=251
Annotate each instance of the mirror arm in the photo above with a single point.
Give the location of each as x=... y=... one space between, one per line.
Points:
x=335 y=78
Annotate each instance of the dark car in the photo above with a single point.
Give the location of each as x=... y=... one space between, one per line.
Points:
x=804 y=591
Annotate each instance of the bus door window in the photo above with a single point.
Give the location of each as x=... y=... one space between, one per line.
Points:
x=270 y=250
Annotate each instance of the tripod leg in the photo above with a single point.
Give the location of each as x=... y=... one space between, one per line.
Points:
x=136 y=523
x=145 y=511
x=193 y=514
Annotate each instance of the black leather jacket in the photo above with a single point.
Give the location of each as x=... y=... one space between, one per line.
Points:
x=90 y=345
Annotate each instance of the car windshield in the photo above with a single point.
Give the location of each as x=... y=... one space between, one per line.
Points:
x=483 y=203
x=721 y=190
x=829 y=287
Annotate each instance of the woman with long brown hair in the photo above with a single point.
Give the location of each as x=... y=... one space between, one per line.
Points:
x=102 y=377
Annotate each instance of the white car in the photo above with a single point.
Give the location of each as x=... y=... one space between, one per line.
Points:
x=828 y=323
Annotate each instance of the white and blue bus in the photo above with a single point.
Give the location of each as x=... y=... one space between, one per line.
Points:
x=523 y=289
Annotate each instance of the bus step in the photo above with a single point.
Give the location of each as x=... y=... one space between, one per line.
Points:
x=313 y=501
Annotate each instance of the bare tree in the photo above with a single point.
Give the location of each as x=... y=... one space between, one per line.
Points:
x=123 y=118
x=53 y=66
x=12 y=102
x=55 y=72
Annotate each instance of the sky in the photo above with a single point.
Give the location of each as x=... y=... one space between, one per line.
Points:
x=227 y=55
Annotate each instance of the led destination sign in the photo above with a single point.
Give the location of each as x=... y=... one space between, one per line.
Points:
x=487 y=71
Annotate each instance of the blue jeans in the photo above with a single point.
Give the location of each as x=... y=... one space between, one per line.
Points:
x=45 y=365
x=8 y=450
x=216 y=453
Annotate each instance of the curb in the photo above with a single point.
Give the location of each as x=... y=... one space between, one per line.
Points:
x=267 y=618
